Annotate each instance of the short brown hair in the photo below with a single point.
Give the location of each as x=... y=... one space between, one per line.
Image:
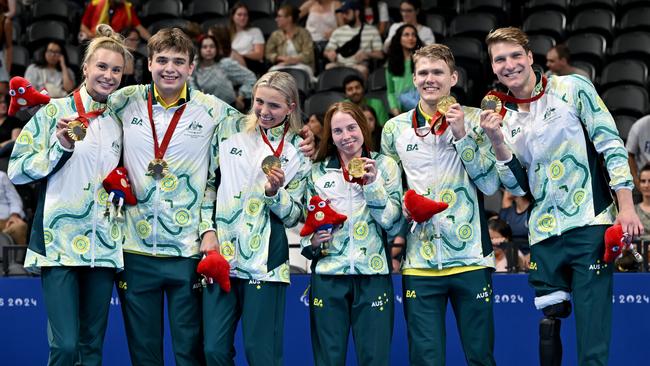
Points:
x=171 y=39
x=507 y=35
x=435 y=52
x=327 y=147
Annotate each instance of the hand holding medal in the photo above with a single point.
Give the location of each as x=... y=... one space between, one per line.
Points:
x=454 y=115
x=62 y=134
x=77 y=128
x=272 y=165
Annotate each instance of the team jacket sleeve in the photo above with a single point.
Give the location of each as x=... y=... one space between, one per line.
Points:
x=37 y=151
x=513 y=176
x=602 y=132
x=383 y=196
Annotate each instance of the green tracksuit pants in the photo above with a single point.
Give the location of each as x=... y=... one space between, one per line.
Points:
x=425 y=306
x=260 y=305
x=572 y=262
x=363 y=303
x=77 y=300
x=142 y=287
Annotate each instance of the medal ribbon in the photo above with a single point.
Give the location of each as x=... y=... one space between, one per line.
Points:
x=438 y=128
x=84 y=117
x=159 y=150
x=509 y=98
x=276 y=152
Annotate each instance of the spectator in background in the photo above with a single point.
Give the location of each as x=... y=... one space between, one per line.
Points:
x=376 y=13
x=373 y=126
x=247 y=41
x=643 y=208
x=410 y=10
x=315 y=124
x=355 y=92
x=50 y=71
x=135 y=70
x=119 y=14
x=11 y=9
x=501 y=237
x=638 y=147
x=400 y=91
x=6 y=47
x=353 y=44
x=322 y=18
x=12 y=216
x=218 y=74
x=558 y=61
x=514 y=212
x=291 y=45
x=9 y=128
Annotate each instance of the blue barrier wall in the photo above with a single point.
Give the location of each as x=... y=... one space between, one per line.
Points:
x=23 y=337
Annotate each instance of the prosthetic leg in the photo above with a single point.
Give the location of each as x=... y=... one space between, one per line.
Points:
x=550 y=342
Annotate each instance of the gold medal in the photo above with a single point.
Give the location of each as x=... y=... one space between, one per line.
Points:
x=269 y=163
x=158 y=169
x=445 y=102
x=491 y=102
x=76 y=130
x=356 y=168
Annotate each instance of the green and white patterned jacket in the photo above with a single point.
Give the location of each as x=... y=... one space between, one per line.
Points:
x=357 y=246
x=251 y=226
x=560 y=144
x=69 y=227
x=173 y=212
x=448 y=171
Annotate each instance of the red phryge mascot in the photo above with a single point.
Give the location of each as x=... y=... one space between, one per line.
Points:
x=214 y=267
x=320 y=216
x=421 y=208
x=119 y=191
x=23 y=95
x=615 y=241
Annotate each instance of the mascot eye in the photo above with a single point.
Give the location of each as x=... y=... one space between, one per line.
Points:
x=12 y=93
x=321 y=204
x=311 y=207
x=21 y=90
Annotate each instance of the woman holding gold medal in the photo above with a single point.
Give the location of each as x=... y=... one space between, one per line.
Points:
x=262 y=184
x=68 y=148
x=351 y=285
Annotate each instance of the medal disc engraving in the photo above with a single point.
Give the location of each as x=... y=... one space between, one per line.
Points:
x=491 y=102
x=76 y=130
x=445 y=102
x=356 y=168
x=158 y=169
x=269 y=163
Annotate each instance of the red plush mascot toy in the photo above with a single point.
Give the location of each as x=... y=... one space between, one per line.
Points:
x=615 y=242
x=214 y=267
x=320 y=216
x=118 y=187
x=422 y=208
x=23 y=95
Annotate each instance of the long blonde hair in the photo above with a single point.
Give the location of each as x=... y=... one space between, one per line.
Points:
x=286 y=85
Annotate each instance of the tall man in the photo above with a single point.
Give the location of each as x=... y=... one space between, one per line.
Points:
x=450 y=257
x=560 y=132
x=170 y=135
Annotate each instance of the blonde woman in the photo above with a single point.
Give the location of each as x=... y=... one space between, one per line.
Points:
x=76 y=248
x=262 y=183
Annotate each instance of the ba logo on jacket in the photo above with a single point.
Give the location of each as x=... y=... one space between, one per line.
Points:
x=412 y=147
x=136 y=121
